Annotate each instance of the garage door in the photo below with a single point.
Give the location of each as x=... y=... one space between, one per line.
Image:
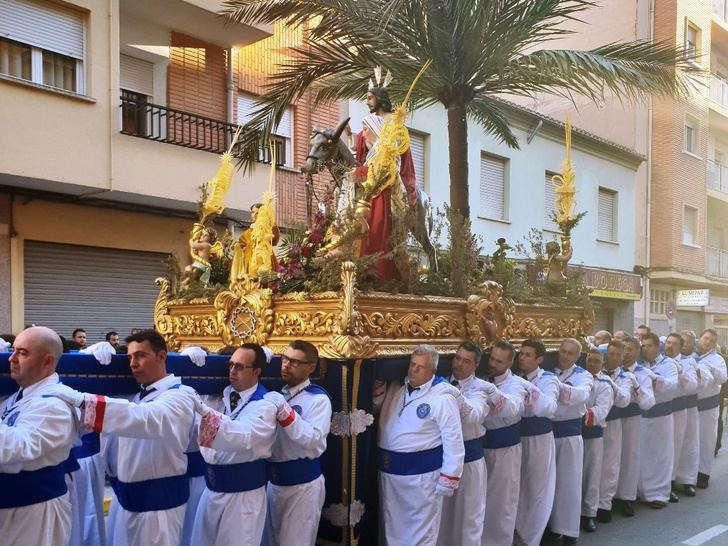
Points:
x=97 y=289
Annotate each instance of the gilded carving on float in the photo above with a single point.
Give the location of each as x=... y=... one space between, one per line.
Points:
x=351 y=325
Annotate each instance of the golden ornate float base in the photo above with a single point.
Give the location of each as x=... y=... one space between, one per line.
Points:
x=352 y=325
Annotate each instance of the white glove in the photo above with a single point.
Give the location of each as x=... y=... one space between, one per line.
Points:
x=197 y=355
x=200 y=407
x=285 y=414
x=446 y=486
x=268 y=353
x=102 y=351
x=67 y=394
x=564 y=393
x=5 y=346
x=488 y=388
x=635 y=383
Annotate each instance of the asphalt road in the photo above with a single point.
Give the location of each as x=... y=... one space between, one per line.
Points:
x=698 y=521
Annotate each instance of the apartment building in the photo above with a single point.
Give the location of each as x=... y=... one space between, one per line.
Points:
x=113 y=115
x=682 y=190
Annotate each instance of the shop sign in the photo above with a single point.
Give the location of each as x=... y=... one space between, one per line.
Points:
x=612 y=284
x=693 y=298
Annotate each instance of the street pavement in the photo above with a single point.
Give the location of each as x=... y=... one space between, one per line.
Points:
x=698 y=521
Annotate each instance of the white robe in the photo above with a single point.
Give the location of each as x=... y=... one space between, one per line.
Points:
x=574 y=393
x=595 y=420
x=623 y=383
x=503 y=463
x=463 y=514
x=657 y=441
x=152 y=438
x=242 y=436
x=642 y=400
x=708 y=410
x=294 y=511
x=684 y=411
x=427 y=418
x=87 y=501
x=538 y=463
x=36 y=432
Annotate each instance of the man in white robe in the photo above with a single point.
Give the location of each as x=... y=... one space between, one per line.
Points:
x=420 y=452
x=463 y=513
x=235 y=445
x=36 y=436
x=153 y=433
x=643 y=398
x=709 y=402
x=574 y=392
x=623 y=383
x=657 y=440
x=597 y=408
x=538 y=463
x=503 y=445
x=296 y=490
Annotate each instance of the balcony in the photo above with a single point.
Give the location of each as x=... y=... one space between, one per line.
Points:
x=719 y=90
x=717 y=178
x=143 y=119
x=716 y=262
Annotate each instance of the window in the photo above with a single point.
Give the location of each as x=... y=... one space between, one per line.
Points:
x=690 y=225
x=550 y=204
x=690 y=143
x=607 y=215
x=136 y=78
x=692 y=42
x=283 y=133
x=418 y=142
x=492 y=187
x=42 y=42
x=658 y=301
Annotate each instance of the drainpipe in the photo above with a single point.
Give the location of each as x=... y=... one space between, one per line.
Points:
x=230 y=87
x=648 y=192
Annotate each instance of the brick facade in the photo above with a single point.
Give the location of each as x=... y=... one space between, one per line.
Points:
x=197 y=84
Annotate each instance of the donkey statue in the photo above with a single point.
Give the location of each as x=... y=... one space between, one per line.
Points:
x=328 y=150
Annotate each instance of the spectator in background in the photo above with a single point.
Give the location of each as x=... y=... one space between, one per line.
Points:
x=79 y=337
x=642 y=331
x=113 y=338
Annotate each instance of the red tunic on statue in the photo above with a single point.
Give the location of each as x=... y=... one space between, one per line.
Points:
x=380 y=216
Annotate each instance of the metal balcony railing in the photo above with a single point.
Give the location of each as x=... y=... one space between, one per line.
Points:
x=143 y=119
x=716 y=262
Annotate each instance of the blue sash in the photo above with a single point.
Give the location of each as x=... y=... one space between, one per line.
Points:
x=614 y=414
x=680 y=403
x=90 y=445
x=195 y=464
x=591 y=433
x=236 y=478
x=535 y=426
x=32 y=486
x=709 y=403
x=498 y=438
x=155 y=494
x=659 y=410
x=633 y=410
x=294 y=472
x=564 y=429
x=71 y=464
x=473 y=449
x=409 y=464
x=692 y=401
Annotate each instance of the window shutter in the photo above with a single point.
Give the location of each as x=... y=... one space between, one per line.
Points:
x=549 y=204
x=246 y=107
x=45 y=25
x=136 y=75
x=492 y=187
x=417 y=149
x=606 y=230
x=285 y=127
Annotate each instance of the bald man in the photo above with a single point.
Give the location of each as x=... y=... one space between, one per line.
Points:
x=36 y=437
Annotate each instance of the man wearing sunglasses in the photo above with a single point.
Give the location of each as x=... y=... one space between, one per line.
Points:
x=296 y=489
x=235 y=445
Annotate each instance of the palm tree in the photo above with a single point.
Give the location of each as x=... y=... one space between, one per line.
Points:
x=479 y=49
